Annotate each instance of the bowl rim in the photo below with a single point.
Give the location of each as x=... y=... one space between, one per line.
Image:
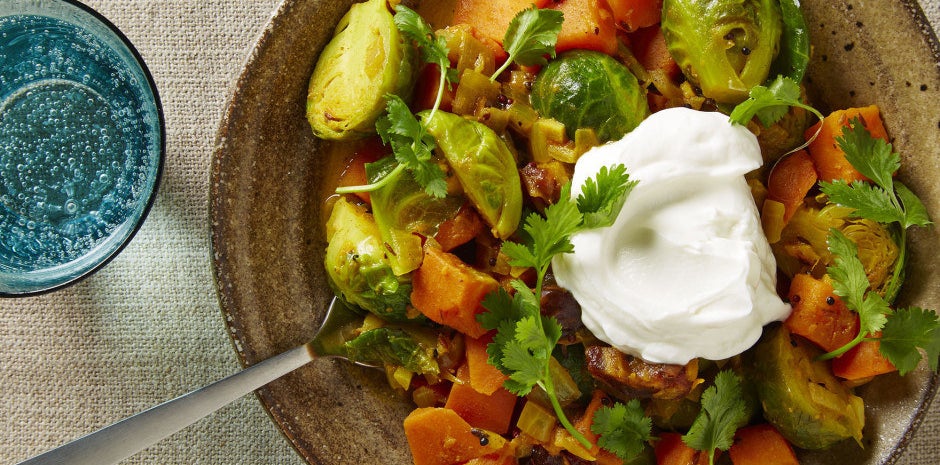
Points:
x=94 y=15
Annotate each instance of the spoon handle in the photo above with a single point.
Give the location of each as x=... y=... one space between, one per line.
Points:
x=120 y=440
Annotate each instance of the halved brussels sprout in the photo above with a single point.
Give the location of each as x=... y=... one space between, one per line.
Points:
x=358 y=265
x=402 y=210
x=366 y=59
x=723 y=46
x=800 y=395
x=484 y=165
x=585 y=89
x=803 y=245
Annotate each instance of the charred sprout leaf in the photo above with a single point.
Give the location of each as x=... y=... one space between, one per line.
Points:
x=347 y=89
x=586 y=89
x=531 y=36
x=358 y=266
x=600 y=207
x=723 y=411
x=794 y=43
x=725 y=47
x=905 y=331
x=484 y=165
x=624 y=429
x=393 y=346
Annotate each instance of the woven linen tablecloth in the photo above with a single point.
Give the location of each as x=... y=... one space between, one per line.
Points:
x=147 y=327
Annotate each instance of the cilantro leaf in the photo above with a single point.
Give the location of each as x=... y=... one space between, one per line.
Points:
x=433 y=47
x=723 y=412
x=851 y=284
x=866 y=200
x=548 y=236
x=770 y=103
x=623 y=429
x=915 y=213
x=905 y=331
x=600 y=202
x=871 y=156
x=412 y=146
x=531 y=35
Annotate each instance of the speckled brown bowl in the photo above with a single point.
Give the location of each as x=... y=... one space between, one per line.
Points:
x=268 y=244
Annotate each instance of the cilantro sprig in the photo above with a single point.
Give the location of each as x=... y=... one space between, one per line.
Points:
x=411 y=144
x=884 y=200
x=523 y=344
x=723 y=412
x=532 y=34
x=770 y=104
x=903 y=330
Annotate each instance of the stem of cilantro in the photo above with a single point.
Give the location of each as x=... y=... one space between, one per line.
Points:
x=547 y=384
x=372 y=187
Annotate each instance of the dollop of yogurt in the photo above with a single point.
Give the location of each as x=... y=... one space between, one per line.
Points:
x=685 y=271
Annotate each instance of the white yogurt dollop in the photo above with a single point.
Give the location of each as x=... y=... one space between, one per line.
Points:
x=685 y=271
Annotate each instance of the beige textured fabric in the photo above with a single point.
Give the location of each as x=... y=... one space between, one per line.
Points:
x=147 y=327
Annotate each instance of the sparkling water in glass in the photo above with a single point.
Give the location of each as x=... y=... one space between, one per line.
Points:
x=81 y=143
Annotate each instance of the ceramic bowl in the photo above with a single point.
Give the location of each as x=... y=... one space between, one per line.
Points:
x=268 y=244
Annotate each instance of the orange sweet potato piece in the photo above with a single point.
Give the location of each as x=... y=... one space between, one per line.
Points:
x=484 y=377
x=490 y=19
x=670 y=450
x=429 y=80
x=588 y=25
x=631 y=15
x=460 y=229
x=818 y=314
x=649 y=47
x=761 y=445
x=827 y=156
x=862 y=362
x=438 y=436
x=492 y=412
x=354 y=174
x=790 y=180
x=449 y=292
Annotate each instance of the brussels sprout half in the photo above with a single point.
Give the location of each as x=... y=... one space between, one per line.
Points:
x=366 y=59
x=484 y=165
x=358 y=266
x=723 y=46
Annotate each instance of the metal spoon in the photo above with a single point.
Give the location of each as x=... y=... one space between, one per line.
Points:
x=120 y=440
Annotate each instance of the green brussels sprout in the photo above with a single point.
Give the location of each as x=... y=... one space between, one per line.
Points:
x=358 y=265
x=803 y=245
x=484 y=165
x=366 y=59
x=402 y=210
x=394 y=346
x=585 y=89
x=800 y=395
x=725 y=47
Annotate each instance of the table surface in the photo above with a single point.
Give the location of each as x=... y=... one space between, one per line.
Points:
x=147 y=327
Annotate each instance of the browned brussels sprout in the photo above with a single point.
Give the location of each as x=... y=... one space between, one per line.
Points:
x=800 y=395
